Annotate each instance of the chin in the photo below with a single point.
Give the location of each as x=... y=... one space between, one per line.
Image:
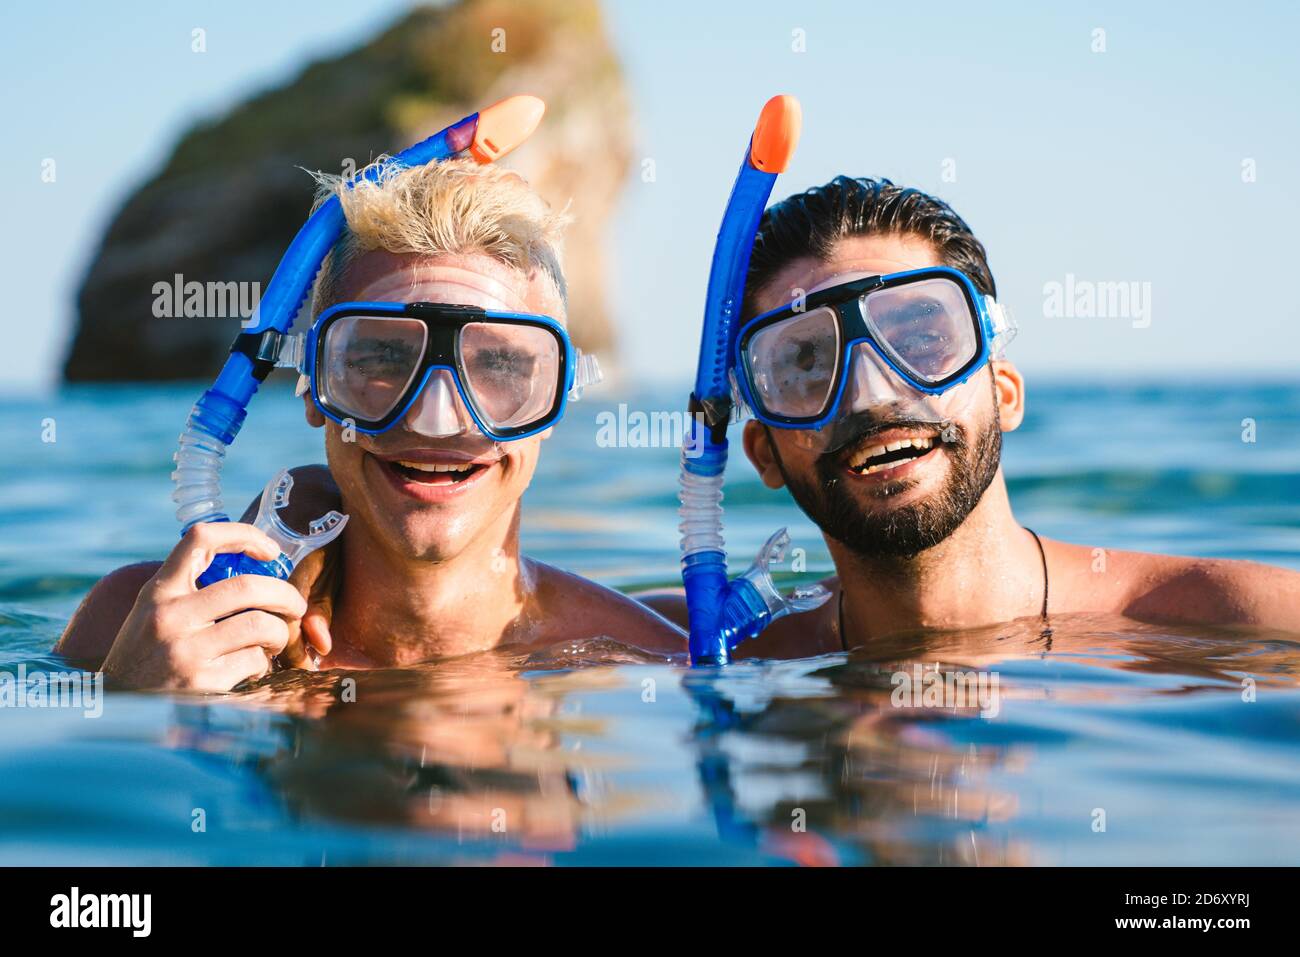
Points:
x=908 y=484
x=886 y=499
x=431 y=538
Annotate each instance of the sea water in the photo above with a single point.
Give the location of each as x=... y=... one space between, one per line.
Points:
x=1112 y=742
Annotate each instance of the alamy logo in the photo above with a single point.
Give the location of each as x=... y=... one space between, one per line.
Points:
x=660 y=429
x=955 y=690
x=179 y=299
x=1087 y=299
x=102 y=910
x=53 y=689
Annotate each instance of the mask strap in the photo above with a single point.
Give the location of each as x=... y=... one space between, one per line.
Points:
x=740 y=409
x=586 y=372
x=1003 y=326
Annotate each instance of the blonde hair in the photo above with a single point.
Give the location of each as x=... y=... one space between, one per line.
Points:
x=456 y=206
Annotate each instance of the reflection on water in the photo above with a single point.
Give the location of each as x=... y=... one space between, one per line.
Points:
x=1184 y=746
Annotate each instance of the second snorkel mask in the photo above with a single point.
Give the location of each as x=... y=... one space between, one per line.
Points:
x=265 y=344
x=900 y=348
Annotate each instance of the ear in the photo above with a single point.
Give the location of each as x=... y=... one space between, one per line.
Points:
x=1009 y=391
x=758 y=448
x=314 y=417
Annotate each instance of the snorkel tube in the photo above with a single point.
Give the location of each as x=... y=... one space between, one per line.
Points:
x=219 y=413
x=722 y=614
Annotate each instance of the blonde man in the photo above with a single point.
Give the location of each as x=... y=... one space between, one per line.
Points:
x=440 y=366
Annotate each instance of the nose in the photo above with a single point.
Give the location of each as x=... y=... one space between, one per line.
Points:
x=871 y=381
x=438 y=412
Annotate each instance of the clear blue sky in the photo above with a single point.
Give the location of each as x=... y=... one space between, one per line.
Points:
x=1122 y=166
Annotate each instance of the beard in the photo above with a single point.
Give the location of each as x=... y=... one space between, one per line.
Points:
x=904 y=531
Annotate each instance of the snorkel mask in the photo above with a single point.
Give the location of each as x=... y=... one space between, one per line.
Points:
x=502 y=375
x=899 y=348
x=265 y=344
x=723 y=613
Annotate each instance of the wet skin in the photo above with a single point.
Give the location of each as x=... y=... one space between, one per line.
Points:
x=428 y=566
x=988 y=570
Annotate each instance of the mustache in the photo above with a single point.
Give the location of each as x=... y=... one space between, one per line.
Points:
x=857 y=427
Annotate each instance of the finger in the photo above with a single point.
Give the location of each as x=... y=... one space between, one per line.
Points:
x=323 y=575
x=316 y=631
x=229 y=670
x=249 y=629
x=197 y=547
x=230 y=596
x=320 y=610
x=297 y=653
x=307 y=574
x=309 y=639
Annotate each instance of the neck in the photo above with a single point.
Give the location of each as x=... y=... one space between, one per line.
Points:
x=987 y=571
x=393 y=609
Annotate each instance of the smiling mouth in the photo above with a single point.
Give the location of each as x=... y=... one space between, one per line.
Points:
x=433 y=473
x=883 y=456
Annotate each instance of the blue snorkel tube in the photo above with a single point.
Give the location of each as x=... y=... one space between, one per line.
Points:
x=219 y=413
x=722 y=613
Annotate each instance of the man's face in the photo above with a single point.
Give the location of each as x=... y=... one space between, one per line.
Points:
x=876 y=502
x=424 y=497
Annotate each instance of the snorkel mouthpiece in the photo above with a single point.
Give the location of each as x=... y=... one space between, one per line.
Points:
x=294 y=545
x=724 y=613
x=219 y=414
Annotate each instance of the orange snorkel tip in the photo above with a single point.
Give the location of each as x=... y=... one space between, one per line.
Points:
x=776 y=134
x=504 y=125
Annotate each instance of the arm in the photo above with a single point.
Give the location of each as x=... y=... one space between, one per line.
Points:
x=668 y=603
x=1222 y=592
x=99 y=617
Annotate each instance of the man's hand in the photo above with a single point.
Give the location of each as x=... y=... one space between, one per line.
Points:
x=180 y=636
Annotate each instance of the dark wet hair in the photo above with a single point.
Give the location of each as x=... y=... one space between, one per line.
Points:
x=810 y=223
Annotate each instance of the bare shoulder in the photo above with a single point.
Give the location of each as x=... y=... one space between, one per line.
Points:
x=95 y=623
x=580 y=606
x=1174 y=589
x=1219 y=591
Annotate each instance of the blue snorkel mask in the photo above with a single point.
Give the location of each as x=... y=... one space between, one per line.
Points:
x=722 y=613
x=904 y=346
x=502 y=375
x=265 y=344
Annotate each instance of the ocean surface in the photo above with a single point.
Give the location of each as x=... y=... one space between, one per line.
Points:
x=1118 y=744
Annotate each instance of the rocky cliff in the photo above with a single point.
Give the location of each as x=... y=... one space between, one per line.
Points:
x=233 y=193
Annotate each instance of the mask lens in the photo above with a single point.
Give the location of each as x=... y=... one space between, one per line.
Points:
x=368 y=363
x=792 y=364
x=512 y=371
x=927 y=327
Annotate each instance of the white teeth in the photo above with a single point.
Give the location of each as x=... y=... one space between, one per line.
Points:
x=866 y=455
x=432 y=467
